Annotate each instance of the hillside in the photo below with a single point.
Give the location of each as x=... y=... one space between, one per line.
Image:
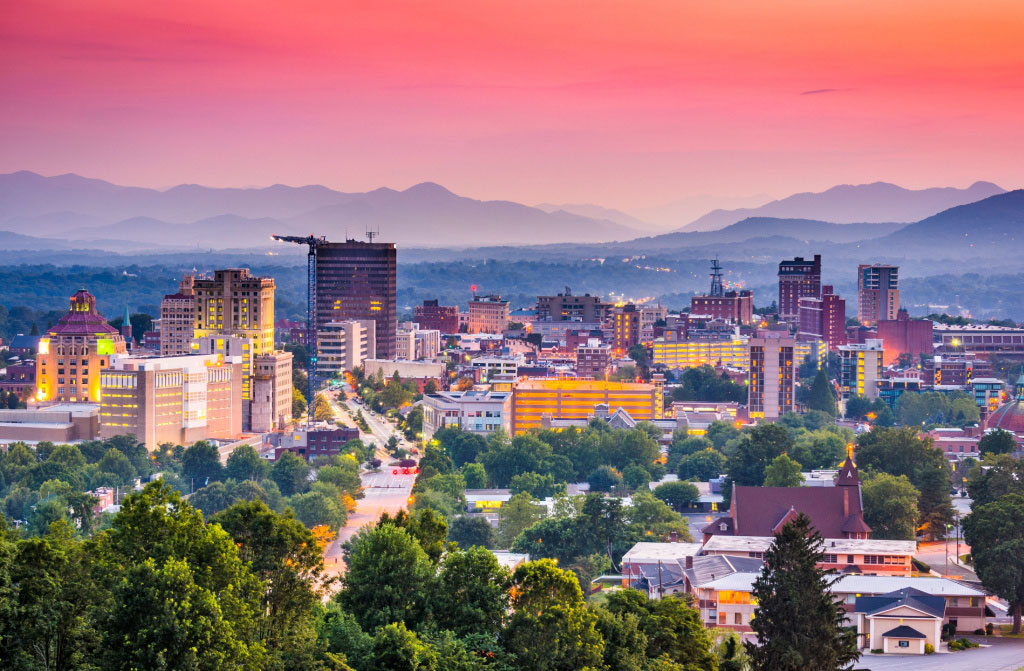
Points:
x=996 y=223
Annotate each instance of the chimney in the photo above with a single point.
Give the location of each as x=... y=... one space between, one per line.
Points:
x=689 y=561
x=674 y=537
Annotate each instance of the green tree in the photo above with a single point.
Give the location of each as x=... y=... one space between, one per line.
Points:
x=475 y=476
x=245 y=464
x=604 y=479
x=783 y=472
x=890 y=506
x=625 y=646
x=388 y=573
x=996 y=476
x=470 y=594
x=635 y=476
x=469 y=531
x=997 y=442
x=756 y=450
x=298 y=403
x=536 y=485
x=701 y=466
x=200 y=464
x=516 y=515
x=115 y=463
x=996 y=536
x=673 y=629
x=395 y=648
x=291 y=473
x=211 y=499
x=315 y=508
x=678 y=495
x=799 y=624
x=820 y=397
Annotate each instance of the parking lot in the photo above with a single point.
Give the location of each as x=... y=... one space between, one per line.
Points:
x=1004 y=654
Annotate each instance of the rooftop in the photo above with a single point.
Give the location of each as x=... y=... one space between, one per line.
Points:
x=832 y=545
x=883 y=584
x=660 y=551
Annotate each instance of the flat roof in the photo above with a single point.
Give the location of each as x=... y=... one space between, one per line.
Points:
x=831 y=545
x=735 y=582
x=883 y=584
x=661 y=551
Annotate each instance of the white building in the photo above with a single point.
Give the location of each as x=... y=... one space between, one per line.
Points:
x=344 y=345
x=481 y=412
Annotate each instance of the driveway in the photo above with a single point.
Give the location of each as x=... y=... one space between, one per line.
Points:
x=1005 y=654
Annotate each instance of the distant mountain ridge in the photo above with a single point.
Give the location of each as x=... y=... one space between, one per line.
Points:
x=80 y=208
x=863 y=203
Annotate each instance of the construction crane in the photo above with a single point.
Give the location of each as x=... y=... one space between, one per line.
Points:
x=312 y=242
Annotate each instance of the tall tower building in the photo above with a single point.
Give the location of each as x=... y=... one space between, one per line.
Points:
x=878 y=293
x=771 y=389
x=178 y=319
x=627 y=328
x=798 y=278
x=357 y=281
x=823 y=318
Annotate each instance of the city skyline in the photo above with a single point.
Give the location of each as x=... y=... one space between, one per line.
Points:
x=534 y=103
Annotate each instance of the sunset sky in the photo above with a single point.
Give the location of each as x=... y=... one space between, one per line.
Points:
x=624 y=104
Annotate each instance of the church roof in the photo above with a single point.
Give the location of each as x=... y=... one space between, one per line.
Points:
x=760 y=511
x=82 y=318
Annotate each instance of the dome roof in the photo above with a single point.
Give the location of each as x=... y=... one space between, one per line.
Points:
x=1010 y=415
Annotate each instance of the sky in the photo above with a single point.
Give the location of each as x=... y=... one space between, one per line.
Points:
x=623 y=104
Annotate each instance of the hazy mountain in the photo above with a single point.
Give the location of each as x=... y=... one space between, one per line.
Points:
x=996 y=224
x=765 y=227
x=671 y=216
x=878 y=202
x=426 y=214
x=598 y=212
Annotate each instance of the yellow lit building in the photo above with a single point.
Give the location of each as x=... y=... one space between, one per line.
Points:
x=816 y=349
x=576 y=399
x=73 y=352
x=732 y=353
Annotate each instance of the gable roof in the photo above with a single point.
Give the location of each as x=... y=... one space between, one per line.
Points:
x=903 y=631
x=934 y=606
x=757 y=511
x=707 y=568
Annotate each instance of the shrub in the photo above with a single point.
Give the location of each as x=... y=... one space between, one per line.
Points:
x=979 y=632
x=988 y=629
x=929 y=648
x=876 y=651
x=920 y=565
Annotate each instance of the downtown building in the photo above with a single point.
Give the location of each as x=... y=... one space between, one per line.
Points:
x=798 y=278
x=878 y=293
x=860 y=368
x=433 y=317
x=625 y=328
x=771 y=391
x=593 y=360
x=534 y=401
x=487 y=314
x=569 y=308
x=479 y=412
x=344 y=345
x=178 y=319
x=823 y=318
x=357 y=281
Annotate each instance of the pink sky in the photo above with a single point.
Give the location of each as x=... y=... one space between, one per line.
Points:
x=624 y=104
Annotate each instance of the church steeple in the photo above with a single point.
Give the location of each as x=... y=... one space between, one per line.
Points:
x=848 y=475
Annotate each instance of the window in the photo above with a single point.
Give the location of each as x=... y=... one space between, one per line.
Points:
x=831 y=559
x=737 y=618
x=722 y=618
x=904 y=644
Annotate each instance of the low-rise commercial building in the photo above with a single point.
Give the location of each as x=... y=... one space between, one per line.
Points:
x=487 y=314
x=271 y=404
x=60 y=423
x=480 y=412
x=731 y=353
x=532 y=400
x=344 y=345
x=860 y=369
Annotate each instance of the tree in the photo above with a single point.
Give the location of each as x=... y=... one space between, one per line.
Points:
x=475 y=476
x=469 y=531
x=115 y=463
x=996 y=536
x=604 y=479
x=245 y=464
x=316 y=508
x=857 y=407
x=322 y=410
x=890 y=506
x=426 y=526
x=536 y=485
x=636 y=477
x=996 y=476
x=291 y=473
x=799 y=624
x=200 y=464
x=470 y=594
x=755 y=452
x=625 y=646
x=388 y=574
x=517 y=514
x=298 y=403
x=997 y=442
x=820 y=397
x=783 y=472
x=677 y=494
x=211 y=499
x=673 y=629
x=395 y=648
x=701 y=466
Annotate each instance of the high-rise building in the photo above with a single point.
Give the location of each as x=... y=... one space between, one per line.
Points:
x=178 y=319
x=772 y=377
x=593 y=359
x=734 y=306
x=176 y=399
x=342 y=346
x=232 y=347
x=798 y=278
x=532 y=400
x=878 y=293
x=488 y=314
x=71 y=355
x=431 y=316
x=626 y=328
x=905 y=337
x=860 y=368
x=356 y=281
x=823 y=318
x=568 y=308
x=680 y=354
x=236 y=303
x=271 y=406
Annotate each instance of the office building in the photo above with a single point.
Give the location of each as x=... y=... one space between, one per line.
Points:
x=823 y=318
x=60 y=423
x=431 y=316
x=568 y=308
x=593 y=360
x=798 y=278
x=680 y=354
x=860 y=368
x=236 y=303
x=405 y=344
x=772 y=376
x=532 y=400
x=356 y=281
x=905 y=338
x=428 y=343
x=734 y=306
x=344 y=345
x=177 y=399
x=878 y=293
x=480 y=412
x=955 y=370
x=271 y=404
x=487 y=314
x=178 y=319
x=316 y=443
x=71 y=355
x=626 y=328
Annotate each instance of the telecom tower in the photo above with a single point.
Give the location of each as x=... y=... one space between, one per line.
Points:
x=716 y=279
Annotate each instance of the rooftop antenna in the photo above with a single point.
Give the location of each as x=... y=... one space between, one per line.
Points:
x=371 y=234
x=716 y=278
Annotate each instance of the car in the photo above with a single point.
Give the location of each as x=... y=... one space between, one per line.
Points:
x=405 y=471
x=394 y=471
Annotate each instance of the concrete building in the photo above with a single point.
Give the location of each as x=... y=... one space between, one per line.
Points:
x=480 y=412
x=772 y=377
x=236 y=303
x=491 y=366
x=625 y=329
x=271 y=404
x=230 y=346
x=823 y=318
x=73 y=352
x=178 y=319
x=344 y=345
x=532 y=400
x=593 y=360
x=487 y=314
x=905 y=337
x=569 y=308
x=405 y=344
x=730 y=353
x=864 y=556
x=734 y=306
x=901 y=622
x=177 y=400
x=861 y=368
x=310 y=444
x=419 y=371
x=431 y=316
x=798 y=278
x=428 y=343
x=878 y=293
x=357 y=281
x=60 y=423
x=20 y=378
